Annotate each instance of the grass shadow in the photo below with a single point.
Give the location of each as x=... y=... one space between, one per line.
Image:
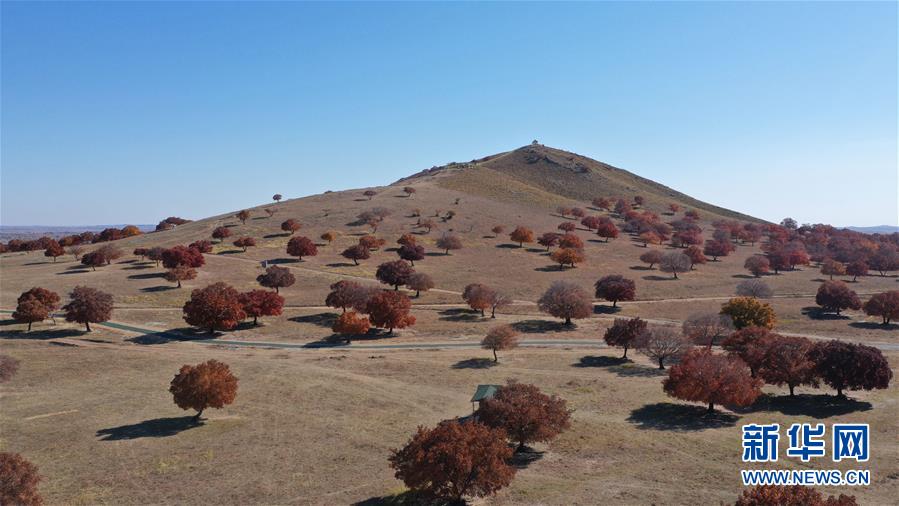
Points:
x=679 y=418
x=460 y=315
x=407 y=498
x=40 y=335
x=475 y=363
x=540 y=326
x=151 y=275
x=160 y=288
x=818 y=313
x=158 y=427
x=874 y=326
x=321 y=319
x=812 y=405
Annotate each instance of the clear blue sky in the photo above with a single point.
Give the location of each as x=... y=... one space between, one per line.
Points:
x=131 y=112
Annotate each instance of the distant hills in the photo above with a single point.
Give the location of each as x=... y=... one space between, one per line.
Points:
x=26 y=232
x=879 y=229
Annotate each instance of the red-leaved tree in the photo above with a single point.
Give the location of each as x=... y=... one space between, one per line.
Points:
x=850 y=366
x=207 y=385
x=277 y=278
x=566 y=300
x=615 y=287
x=703 y=376
x=19 y=479
x=88 y=305
x=216 y=307
x=258 y=303
x=525 y=413
x=884 y=305
x=624 y=333
x=301 y=247
x=390 y=310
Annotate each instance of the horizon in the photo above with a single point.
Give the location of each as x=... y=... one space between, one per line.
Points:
x=128 y=113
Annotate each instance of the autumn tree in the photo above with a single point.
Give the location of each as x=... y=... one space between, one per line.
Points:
x=454 y=460
x=591 y=222
x=717 y=249
x=649 y=237
x=571 y=241
x=614 y=288
x=210 y=384
x=757 y=265
x=155 y=254
x=857 y=268
x=19 y=479
x=567 y=227
x=30 y=311
x=478 y=296
x=525 y=413
x=216 y=307
x=566 y=300
x=624 y=332
x=496 y=230
x=548 y=240
x=884 y=305
x=346 y=294
x=350 y=324
x=601 y=203
x=696 y=255
x=754 y=288
x=277 y=197
x=751 y=345
x=449 y=242
x=390 y=310
x=748 y=312
x=369 y=193
x=245 y=242
x=221 y=233
x=88 y=305
x=411 y=253
x=522 y=235
x=180 y=273
x=651 y=257
x=291 y=226
x=850 y=366
x=621 y=207
x=328 y=236
x=243 y=216
x=420 y=282
x=835 y=296
x=674 y=262
x=661 y=343
x=181 y=255
x=258 y=303
x=409 y=191
x=301 y=247
x=54 y=250
x=76 y=252
x=93 y=260
x=371 y=242
x=884 y=259
x=790 y=495
x=503 y=337
x=394 y=273
x=786 y=361
x=607 y=230
x=703 y=376
x=706 y=329
x=567 y=256
x=277 y=278
x=830 y=267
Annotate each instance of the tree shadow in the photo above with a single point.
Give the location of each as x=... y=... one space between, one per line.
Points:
x=139 y=267
x=158 y=427
x=812 y=405
x=160 y=288
x=604 y=309
x=149 y=275
x=436 y=254
x=460 y=315
x=340 y=264
x=659 y=278
x=408 y=498
x=230 y=252
x=551 y=268
x=679 y=418
x=540 y=326
x=818 y=280
x=276 y=261
x=38 y=263
x=601 y=361
x=508 y=246
x=73 y=271
x=475 y=363
x=743 y=276
x=525 y=457
x=818 y=313
x=40 y=335
x=640 y=268
x=326 y=320
x=274 y=236
x=261 y=218
x=874 y=326
x=536 y=250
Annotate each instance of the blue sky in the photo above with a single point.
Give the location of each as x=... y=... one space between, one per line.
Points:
x=131 y=112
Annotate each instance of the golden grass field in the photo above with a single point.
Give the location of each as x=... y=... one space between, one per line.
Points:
x=314 y=426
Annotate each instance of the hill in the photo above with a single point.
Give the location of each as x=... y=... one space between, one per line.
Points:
x=549 y=177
